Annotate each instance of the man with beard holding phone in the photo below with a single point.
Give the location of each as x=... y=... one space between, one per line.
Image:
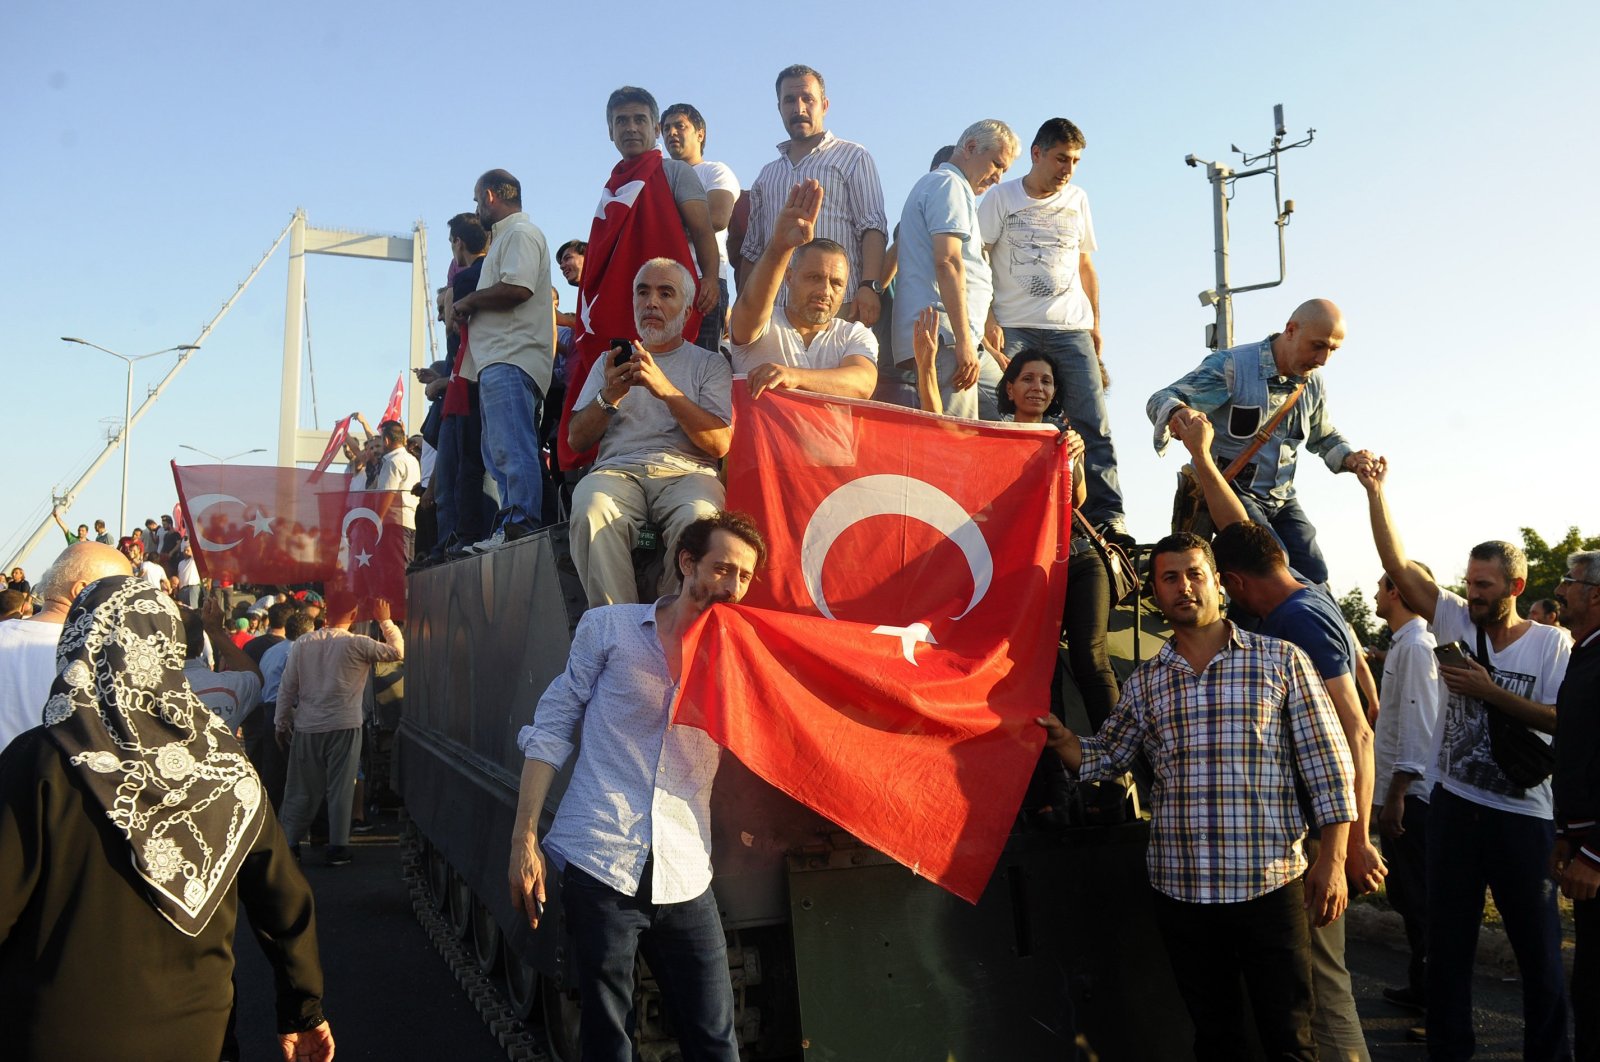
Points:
x=1484 y=828
x=661 y=415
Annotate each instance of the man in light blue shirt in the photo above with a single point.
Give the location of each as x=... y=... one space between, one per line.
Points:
x=632 y=836
x=941 y=261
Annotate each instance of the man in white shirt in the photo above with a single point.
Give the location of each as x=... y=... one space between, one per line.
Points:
x=1039 y=236
x=188 y=577
x=802 y=344
x=28 y=646
x=398 y=473
x=1408 y=715
x=1484 y=828
x=683 y=134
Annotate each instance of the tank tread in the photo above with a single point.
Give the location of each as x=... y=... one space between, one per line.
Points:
x=520 y=1043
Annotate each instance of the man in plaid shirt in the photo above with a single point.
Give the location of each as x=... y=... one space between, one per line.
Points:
x=1233 y=724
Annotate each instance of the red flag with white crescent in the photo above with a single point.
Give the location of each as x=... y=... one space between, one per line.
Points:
x=397 y=399
x=336 y=438
x=636 y=220
x=886 y=669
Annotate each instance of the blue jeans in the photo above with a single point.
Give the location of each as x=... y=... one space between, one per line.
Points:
x=713 y=323
x=1471 y=846
x=1293 y=530
x=685 y=947
x=1083 y=400
x=509 y=400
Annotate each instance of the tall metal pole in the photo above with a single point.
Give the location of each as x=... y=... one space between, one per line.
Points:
x=144 y=407
x=1218 y=175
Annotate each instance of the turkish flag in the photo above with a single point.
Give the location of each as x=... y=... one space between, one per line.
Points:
x=292 y=526
x=886 y=669
x=252 y=524
x=397 y=399
x=637 y=220
x=341 y=432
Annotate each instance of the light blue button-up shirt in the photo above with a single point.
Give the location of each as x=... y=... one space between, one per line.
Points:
x=1239 y=403
x=641 y=786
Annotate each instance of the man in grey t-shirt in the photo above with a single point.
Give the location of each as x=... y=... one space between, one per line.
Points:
x=661 y=414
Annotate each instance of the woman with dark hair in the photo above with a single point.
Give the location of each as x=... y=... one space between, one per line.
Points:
x=131 y=825
x=1027 y=395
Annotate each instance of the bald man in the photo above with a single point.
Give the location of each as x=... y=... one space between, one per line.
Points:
x=28 y=646
x=1240 y=390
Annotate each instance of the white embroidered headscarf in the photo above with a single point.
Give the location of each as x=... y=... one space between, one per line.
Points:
x=166 y=771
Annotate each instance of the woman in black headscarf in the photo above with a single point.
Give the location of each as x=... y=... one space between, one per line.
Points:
x=131 y=825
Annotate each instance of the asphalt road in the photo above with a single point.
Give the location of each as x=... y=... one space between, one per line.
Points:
x=390 y=996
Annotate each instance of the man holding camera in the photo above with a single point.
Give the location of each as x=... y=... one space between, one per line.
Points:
x=1486 y=828
x=660 y=411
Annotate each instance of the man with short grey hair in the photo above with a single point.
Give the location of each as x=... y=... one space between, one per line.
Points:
x=660 y=411
x=28 y=646
x=941 y=262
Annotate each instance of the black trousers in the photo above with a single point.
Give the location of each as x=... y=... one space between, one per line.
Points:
x=1586 y=981
x=1407 y=885
x=1223 y=953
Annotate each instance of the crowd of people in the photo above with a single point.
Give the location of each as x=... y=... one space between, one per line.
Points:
x=1284 y=776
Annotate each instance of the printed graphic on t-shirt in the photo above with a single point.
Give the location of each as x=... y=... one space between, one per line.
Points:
x=1042 y=250
x=1464 y=754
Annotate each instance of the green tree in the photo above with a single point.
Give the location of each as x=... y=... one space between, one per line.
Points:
x=1547 y=562
x=1357 y=609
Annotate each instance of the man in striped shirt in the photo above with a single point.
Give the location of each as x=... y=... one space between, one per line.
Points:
x=852 y=215
x=1233 y=724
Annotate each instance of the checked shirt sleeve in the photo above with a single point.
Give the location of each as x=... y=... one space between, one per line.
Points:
x=1321 y=754
x=1109 y=751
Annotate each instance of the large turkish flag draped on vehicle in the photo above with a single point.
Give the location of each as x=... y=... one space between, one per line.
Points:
x=886 y=668
x=292 y=526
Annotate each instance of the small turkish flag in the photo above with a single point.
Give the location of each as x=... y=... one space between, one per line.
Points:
x=341 y=432
x=397 y=399
x=886 y=669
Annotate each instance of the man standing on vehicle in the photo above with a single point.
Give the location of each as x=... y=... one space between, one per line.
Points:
x=683 y=132
x=631 y=839
x=1235 y=725
x=1241 y=390
x=1484 y=828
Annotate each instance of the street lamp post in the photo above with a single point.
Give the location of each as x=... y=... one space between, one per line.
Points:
x=222 y=460
x=127 y=411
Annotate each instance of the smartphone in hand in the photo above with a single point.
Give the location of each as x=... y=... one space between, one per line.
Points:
x=1453 y=655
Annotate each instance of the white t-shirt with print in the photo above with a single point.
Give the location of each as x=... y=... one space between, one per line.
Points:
x=1035 y=258
x=1532 y=667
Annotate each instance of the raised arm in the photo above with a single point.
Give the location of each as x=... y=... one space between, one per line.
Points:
x=1416 y=586
x=925 y=347
x=1194 y=430
x=796 y=225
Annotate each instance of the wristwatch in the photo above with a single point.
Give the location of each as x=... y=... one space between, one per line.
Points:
x=600 y=400
x=877 y=289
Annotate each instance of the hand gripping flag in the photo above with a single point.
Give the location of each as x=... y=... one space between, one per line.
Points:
x=291 y=527
x=336 y=438
x=886 y=669
x=637 y=220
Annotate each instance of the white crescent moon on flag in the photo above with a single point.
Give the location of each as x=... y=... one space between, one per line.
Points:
x=197 y=512
x=887 y=495
x=361 y=514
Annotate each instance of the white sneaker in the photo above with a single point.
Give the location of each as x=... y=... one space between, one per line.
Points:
x=493 y=542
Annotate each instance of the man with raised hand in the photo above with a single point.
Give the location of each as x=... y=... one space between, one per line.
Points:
x=803 y=343
x=1484 y=828
x=631 y=840
x=1236 y=726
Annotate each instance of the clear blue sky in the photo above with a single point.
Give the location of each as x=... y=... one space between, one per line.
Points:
x=153 y=152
